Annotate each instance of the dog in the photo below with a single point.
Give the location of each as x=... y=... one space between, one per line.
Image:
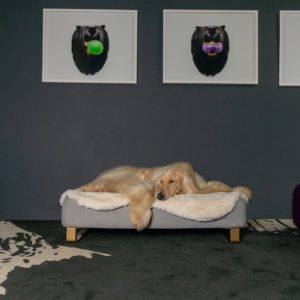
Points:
x=143 y=186
x=88 y=62
x=210 y=48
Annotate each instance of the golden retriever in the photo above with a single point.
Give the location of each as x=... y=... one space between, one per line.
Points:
x=142 y=186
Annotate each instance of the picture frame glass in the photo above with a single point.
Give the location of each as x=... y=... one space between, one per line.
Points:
x=289 y=62
x=242 y=63
x=59 y=65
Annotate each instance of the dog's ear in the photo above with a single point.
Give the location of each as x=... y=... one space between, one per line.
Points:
x=189 y=183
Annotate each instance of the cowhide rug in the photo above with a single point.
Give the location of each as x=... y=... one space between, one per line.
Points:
x=21 y=248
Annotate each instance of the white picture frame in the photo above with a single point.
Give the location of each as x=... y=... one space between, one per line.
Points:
x=289 y=62
x=58 y=27
x=242 y=63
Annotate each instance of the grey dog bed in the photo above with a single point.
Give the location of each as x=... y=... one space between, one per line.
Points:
x=75 y=217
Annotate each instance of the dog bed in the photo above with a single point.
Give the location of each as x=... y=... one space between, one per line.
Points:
x=81 y=210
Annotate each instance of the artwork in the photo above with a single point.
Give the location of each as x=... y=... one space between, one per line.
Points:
x=289 y=62
x=210 y=46
x=92 y=46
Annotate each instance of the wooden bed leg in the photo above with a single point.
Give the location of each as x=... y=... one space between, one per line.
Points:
x=234 y=235
x=74 y=234
x=70 y=234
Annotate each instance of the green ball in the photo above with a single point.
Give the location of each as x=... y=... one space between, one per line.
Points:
x=95 y=47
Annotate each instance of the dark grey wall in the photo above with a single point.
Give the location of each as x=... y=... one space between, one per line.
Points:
x=56 y=136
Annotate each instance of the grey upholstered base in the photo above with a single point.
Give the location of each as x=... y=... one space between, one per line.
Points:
x=76 y=216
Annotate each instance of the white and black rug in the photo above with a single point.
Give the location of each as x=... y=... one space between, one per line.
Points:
x=271 y=225
x=23 y=249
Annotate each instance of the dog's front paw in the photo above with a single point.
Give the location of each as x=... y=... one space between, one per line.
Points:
x=140 y=220
x=245 y=190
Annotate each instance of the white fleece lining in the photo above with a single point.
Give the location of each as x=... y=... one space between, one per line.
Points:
x=205 y=207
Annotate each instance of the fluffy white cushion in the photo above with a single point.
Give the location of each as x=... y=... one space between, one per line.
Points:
x=206 y=207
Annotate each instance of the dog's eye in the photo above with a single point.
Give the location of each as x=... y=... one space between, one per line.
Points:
x=171 y=181
x=87 y=36
x=207 y=38
x=217 y=38
x=96 y=36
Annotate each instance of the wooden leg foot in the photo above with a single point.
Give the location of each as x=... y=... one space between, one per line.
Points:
x=74 y=234
x=234 y=235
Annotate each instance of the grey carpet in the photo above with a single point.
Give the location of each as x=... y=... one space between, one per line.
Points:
x=154 y=264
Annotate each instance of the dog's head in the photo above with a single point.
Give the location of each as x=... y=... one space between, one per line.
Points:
x=210 y=47
x=172 y=182
x=90 y=47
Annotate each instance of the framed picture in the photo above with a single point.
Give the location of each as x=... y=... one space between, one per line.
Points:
x=210 y=46
x=289 y=59
x=96 y=46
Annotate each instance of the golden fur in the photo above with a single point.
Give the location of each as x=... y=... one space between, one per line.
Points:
x=142 y=186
